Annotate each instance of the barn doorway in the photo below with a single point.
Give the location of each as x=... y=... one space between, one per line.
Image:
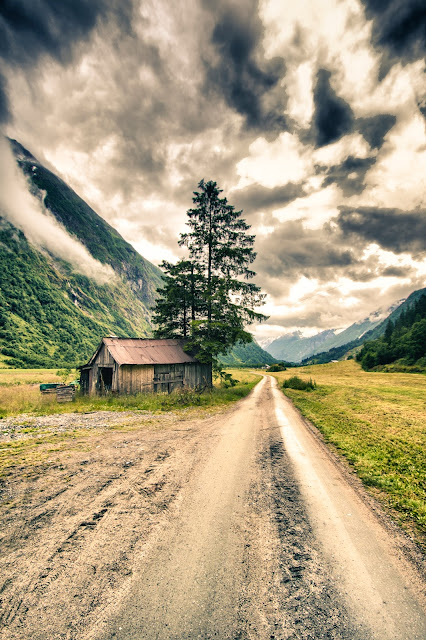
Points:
x=105 y=379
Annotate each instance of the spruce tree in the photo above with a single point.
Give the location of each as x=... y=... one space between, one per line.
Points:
x=208 y=299
x=178 y=302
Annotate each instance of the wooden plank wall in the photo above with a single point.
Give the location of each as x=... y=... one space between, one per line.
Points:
x=197 y=374
x=131 y=379
x=134 y=378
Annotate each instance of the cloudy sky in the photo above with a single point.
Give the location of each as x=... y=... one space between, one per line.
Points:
x=310 y=115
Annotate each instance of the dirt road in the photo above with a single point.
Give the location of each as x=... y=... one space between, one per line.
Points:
x=238 y=526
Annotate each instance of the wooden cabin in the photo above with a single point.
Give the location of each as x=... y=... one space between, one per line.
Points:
x=136 y=365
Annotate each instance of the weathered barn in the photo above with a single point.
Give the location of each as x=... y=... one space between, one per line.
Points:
x=136 y=365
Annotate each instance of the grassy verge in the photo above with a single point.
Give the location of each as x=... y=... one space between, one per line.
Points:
x=21 y=397
x=377 y=421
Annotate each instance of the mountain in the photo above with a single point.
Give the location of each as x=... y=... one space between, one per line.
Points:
x=340 y=351
x=247 y=355
x=51 y=315
x=294 y=347
x=397 y=310
x=403 y=343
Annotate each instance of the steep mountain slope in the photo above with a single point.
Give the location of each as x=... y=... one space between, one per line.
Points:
x=396 y=312
x=403 y=344
x=103 y=241
x=49 y=314
x=247 y=355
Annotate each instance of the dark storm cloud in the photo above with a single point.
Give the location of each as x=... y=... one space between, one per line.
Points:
x=399 y=29
x=375 y=128
x=333 y=117
x=29 y=30
x=336 y=250
x=4 y=101
x=392 y=229
x=399 y=272
x=349 y=175
x=293 y=250
x=258 y=198
x=237 y=71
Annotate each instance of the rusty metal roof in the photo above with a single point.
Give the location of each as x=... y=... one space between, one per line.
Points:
x=141 y=351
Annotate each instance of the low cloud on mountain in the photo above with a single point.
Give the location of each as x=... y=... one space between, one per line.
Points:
x=28 y=214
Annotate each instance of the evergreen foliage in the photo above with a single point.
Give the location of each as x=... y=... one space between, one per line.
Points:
x=403 y=342
x=208 y=298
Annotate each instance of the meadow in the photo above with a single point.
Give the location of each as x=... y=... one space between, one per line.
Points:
x=378 y=422
x=20 y=394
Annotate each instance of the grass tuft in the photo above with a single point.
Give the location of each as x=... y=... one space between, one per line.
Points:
x=297 y=383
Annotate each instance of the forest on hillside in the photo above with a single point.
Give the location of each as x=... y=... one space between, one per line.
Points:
x=403 y=344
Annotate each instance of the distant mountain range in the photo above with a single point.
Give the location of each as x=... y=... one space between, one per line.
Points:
x=339 y=352
x=293 y=347
x=53 y=313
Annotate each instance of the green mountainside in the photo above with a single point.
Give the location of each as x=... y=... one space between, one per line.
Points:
x=403 y=343
x=51 y=316
x=402 y=308
x=247 y=355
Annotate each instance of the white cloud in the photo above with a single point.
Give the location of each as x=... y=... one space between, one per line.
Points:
x=332 y=154
x=276 y=163
x=315 y=209
x=398 y=92
x=299 y=88
x=398 y=178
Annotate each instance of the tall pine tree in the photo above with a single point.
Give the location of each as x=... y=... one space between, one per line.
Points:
x=208 y=298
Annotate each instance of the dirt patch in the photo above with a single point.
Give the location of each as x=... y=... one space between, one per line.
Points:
x=71 y=526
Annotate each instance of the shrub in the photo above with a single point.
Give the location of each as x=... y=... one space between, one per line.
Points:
x=297 y=383
x=277 y=367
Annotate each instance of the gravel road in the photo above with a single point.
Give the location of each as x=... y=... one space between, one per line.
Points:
x=241 y=525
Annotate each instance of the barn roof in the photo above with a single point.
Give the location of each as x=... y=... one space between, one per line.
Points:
x=141 y=351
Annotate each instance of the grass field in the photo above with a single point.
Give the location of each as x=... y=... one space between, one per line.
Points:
x=16 y=377
x=378 y=422
x=19 y=393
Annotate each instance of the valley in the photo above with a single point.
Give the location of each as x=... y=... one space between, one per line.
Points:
x=103 y=511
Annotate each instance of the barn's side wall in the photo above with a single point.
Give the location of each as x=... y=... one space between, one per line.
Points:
x=197 y=374
x=134 y=378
